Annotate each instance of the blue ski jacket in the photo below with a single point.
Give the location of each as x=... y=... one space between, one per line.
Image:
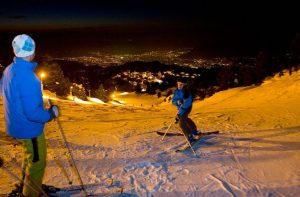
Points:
x=186 y=99
x=24 y=111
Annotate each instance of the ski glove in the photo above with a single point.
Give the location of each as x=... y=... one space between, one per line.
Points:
x=54 y=113
x=179 y=102
x=177 y=118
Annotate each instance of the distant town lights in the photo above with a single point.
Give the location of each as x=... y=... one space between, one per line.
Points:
x=71 y=88
x=158 y=80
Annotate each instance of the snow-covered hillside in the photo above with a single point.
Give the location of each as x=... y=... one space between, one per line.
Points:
x=258 y=153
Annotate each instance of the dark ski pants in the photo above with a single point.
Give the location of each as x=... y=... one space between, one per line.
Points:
x=34 y=164
x=187 y=125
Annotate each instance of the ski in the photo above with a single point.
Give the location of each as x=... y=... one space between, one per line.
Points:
x=200 y=136
x=169 y=134
x=180 y=134
x=109 y=187
x=92 y=190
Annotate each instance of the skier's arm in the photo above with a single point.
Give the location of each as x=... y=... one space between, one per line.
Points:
x=187 y=103
x=32 y=101
x=175 y=99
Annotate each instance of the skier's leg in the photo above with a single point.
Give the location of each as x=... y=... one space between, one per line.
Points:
x=19 y=186
x=35 y=153
x=185 y=128
x=192 y=126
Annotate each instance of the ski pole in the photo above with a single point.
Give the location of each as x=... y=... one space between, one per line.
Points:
x=63 y=170
x=188 y=142
x=59 y=163
x=167 y=131
x=69 y=151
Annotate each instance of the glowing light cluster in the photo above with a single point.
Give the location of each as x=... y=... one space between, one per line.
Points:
x=95 y=100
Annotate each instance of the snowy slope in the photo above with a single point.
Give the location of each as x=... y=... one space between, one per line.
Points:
x=257 y=154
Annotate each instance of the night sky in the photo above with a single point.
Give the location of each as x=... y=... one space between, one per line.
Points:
x=213 y=27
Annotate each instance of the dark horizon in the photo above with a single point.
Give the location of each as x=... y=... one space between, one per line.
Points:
x=55 y=14
x=235 y=42
x=213 y=28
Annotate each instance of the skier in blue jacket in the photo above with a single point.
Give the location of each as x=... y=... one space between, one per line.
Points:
x=24 y=113
x=183 y=100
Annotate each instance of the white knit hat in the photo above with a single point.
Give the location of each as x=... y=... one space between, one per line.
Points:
x=23 y=45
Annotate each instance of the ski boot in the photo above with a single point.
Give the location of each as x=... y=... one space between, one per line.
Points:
x=195 y=132
x=17 y=191
x=191 y=139
x=50 y=189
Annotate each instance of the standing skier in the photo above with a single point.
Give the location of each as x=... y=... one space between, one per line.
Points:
x=183 y=100
x=24 y=113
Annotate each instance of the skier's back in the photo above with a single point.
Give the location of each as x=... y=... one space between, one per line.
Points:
x=24 y=113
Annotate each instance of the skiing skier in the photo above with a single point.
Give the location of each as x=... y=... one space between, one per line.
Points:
x=183 y=100
x=25 y=115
